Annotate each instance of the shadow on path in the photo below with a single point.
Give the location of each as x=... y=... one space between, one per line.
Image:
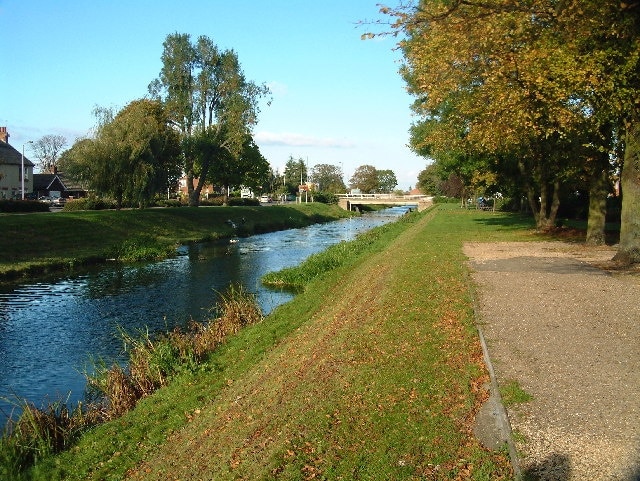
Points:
x=556 y=467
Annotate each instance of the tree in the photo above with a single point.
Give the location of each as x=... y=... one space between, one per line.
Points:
x=295 y=174
x=132 y=157
x=430 y=180
x=47 y=150
x=249 y=168
x=514 y=74
x=75 y=162
x=210 y=102
x=386 y=181
x=329 y=178
x=365 y=178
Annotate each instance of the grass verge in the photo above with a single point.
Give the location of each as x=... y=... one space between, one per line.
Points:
x=38 y=243
x=373 y=372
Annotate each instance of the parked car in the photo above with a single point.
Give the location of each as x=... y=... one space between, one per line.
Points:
x=46 y=199
x=59 y=201
x=265 y=199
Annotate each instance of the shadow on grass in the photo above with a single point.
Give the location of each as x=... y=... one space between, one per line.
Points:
x=574 y=231
x=505 y=220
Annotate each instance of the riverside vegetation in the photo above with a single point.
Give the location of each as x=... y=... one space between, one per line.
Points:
x=38 y=243
x=374 y=371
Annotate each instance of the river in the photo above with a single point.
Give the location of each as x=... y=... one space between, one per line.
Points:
x=50 y=329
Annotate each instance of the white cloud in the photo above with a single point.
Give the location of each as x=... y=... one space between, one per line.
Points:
x=301 y=140
x=278 y=88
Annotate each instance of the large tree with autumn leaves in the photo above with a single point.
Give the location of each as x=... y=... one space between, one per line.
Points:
x=545 y=86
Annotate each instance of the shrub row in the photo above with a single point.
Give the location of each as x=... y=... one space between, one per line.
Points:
x=16 y=206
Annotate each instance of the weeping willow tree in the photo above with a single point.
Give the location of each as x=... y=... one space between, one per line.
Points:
x=131 y=157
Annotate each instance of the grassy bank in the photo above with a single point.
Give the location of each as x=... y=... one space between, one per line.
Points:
x=33 y=244
x=373 y=372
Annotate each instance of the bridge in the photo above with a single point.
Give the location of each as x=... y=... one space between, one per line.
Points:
x=354 y=201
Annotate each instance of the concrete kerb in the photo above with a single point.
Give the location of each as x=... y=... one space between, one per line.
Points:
x=492 y=426
x=492 y=423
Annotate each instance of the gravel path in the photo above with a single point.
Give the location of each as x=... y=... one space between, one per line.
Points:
x=559 y=320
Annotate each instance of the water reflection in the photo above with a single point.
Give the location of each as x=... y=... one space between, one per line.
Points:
x=48 y=330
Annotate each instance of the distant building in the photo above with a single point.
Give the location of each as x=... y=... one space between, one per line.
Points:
x=308 y=187
x=183 y=190
x=56 y=185
x=11 y=173
x=246 y=193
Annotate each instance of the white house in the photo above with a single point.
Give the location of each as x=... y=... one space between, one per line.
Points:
x=11 y=170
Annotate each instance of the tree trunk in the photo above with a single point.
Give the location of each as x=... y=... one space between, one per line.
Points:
x=530 y=192
x=598 y=191
x=542 y=221
x=225 y=195
x=546 y=217
x=629 y=247
x=194 y=198
x=544 y=213
x=191 y=194
x=555 y=203
x=533 y=203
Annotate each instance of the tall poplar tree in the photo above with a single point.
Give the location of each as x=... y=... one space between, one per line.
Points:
x=210 y=102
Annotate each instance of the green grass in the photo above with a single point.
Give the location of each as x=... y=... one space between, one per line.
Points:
x=35 y=243
x=512 y=393
x=373 y=372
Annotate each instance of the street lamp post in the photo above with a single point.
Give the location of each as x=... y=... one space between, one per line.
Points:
x=22 y=167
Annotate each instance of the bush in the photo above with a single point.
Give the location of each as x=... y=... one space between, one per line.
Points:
x=443 y=199
x=212 y=201
x=236 y=201
x=325 y=197
x=168 y=203
x=88 y=203
x=10 y=206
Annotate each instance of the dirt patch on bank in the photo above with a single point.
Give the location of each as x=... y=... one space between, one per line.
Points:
x=564 y=322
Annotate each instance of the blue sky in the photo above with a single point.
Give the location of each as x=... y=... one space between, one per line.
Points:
x=337 y=99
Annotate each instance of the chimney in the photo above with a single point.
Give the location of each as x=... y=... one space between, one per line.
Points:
x=4 y=135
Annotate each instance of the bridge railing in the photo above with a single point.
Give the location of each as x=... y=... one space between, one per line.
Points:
x=385 y=196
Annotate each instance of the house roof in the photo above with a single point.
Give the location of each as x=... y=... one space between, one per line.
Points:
x=11 y=156
x=47 y=181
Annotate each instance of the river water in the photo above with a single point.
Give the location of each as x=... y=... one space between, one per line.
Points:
x=50 y=329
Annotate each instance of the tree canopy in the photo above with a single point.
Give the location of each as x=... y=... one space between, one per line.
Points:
x=47 y=150
x=210 y=102
x=329 y=178
x=387 y=181
x=365 y=179
x=295 y=174
x=534 y=90
x=132 y=157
